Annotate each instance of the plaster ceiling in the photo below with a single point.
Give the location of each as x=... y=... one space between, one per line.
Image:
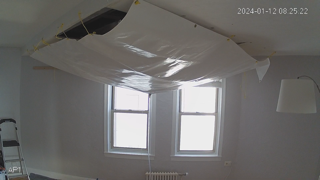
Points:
x=287 y=34
x=21 y=20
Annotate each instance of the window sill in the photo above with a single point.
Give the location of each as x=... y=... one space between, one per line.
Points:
x=185 y=157
x=129 y=155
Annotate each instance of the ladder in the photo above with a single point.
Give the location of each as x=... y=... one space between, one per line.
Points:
x=19 y=170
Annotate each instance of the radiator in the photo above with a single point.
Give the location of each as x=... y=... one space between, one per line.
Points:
x=163 y=175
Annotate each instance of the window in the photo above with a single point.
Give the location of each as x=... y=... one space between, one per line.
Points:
x=128 y=127
x=197 y=122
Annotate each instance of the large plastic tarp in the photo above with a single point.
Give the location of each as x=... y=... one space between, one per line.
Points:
x=151 y=50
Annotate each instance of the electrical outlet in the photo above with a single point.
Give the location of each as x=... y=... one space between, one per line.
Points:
x=227 y=163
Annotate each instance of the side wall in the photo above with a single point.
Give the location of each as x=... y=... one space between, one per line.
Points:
x=63 y=129
x=10 y=68
x=62 y=120
x=10 y=62
x=272 y=145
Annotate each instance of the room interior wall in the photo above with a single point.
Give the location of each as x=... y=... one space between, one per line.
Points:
x=62 y=119
x=10 y=68
x=273 y=145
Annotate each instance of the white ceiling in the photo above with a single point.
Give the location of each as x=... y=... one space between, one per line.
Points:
x=22 y=21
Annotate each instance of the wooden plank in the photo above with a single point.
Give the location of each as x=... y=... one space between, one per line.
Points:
x=21 y=177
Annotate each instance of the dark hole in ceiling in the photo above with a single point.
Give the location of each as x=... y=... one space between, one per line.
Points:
x=100 y=22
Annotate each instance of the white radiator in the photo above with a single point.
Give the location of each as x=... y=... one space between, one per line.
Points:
x=164 y=175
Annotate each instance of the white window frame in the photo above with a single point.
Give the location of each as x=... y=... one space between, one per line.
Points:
x=129 y=153
x=214 y=155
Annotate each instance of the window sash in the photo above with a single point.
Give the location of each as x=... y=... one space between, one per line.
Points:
x=129 y=111
x=113 y=89
x=216 y=103
x=113 y=111
x=198 y=114
x=180 y=114
x=196 y=151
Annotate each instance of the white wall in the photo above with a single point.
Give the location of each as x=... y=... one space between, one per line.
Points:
x=10 y=62
x=10 y=68
x=272 y=145
x=62 y=122
x=63 y=130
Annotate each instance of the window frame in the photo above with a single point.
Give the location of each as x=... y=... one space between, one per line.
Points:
x=123 y=152
x=199 y=155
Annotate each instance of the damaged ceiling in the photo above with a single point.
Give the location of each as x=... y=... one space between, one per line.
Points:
x=24 y=23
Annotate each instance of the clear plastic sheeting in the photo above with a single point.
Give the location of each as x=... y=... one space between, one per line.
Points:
x=263 y=68
x=151 y=50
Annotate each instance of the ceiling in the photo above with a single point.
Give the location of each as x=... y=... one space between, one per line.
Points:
x=259 y=34
x=21 y=20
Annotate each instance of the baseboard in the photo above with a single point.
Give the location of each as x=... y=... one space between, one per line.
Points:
x=56 y=175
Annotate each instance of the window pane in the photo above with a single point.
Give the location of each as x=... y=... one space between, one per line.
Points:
x=198 y=99
x=126 y=99
x=130 y=130
x=197 y=132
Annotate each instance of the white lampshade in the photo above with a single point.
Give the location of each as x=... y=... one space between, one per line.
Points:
x=297 y=96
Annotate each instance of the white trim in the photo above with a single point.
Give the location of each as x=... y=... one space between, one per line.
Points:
x=222 y=111
x=175 y=117
x=107 y=114
x=195 y=158
x=185 y=156
x=126 y=152
x=129 y=111
x=141 y=156
x=152 y=128
x=55 y=175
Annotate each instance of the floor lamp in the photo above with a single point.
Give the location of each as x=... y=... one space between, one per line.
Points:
x=297 y=95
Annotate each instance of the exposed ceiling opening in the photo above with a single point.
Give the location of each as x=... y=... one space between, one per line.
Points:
x=100 y=23
x=153 y=53
x=24 y=24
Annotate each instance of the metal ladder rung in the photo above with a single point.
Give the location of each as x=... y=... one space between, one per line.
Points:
x=7 y=120
x=10 y=143
x=11 y=174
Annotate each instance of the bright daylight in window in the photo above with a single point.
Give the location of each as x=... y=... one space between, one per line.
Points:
x=128 y=126
x=197 y=122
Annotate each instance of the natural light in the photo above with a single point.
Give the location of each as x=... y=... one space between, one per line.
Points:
x=130 y=130
x=197 y=118
x=126 y=99
x=199 y=99
x=197 y=133
x=197 y=128
x=131 y=124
